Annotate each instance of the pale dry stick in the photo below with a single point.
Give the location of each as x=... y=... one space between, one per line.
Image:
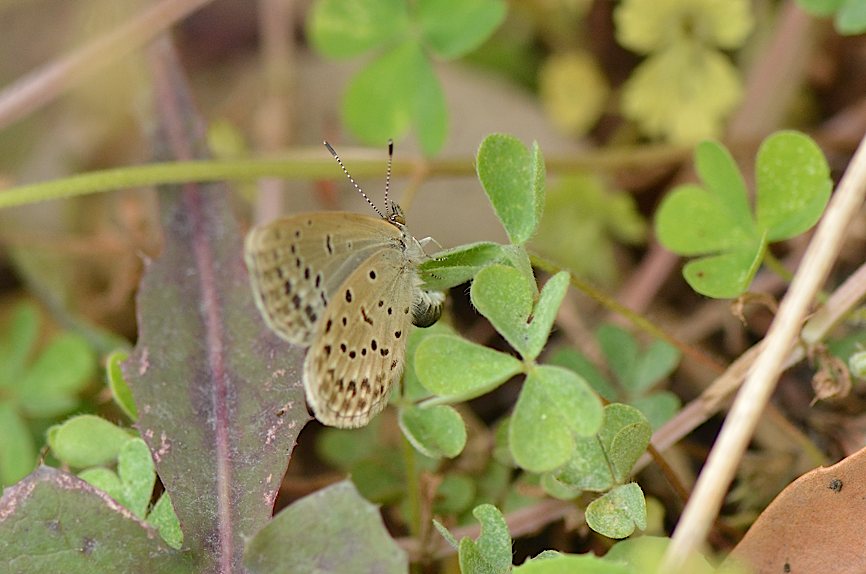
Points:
x=40 y=86
x=716 y=476
x=841 y=303
x=843 y=300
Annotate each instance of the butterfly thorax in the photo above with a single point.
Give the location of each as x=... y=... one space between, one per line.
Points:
x=426 y=305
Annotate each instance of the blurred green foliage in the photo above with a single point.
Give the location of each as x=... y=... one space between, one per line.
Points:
x=398 y=89
x=38 y=383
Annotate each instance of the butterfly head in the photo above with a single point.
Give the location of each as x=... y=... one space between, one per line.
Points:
x=396 y=215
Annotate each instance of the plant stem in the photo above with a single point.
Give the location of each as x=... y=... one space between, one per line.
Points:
x=302 y=165
x=779 y=269
x=777 y=266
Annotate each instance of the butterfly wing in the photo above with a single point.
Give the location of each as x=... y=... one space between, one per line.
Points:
x=297 y=263
x=358 y=349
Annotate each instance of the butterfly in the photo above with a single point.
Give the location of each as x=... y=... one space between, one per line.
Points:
x=345 y=285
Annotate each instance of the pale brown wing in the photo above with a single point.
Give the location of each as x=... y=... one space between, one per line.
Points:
x=359 y=347
x=297 y=263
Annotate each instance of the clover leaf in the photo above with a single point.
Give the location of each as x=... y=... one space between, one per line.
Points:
x=605 y=460
x=792 y=188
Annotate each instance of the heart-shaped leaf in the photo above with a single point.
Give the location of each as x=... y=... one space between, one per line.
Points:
x=458 y=370
x=793 y=182
x=436 y=431
x=554 y=405
x=504 y=295
x=513 y=179
x=617 y=513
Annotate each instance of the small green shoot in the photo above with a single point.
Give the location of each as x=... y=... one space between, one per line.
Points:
x=87 y=440
x=490 y=553
x=119 y=389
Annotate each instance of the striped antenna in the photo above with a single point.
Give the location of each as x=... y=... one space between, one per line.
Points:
x=357 y=187
x=388 y=174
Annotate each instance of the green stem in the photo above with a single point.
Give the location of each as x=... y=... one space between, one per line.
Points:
x=777 y=266
x=301 y=166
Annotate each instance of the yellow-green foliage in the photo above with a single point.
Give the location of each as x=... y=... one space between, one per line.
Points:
x=685 y=87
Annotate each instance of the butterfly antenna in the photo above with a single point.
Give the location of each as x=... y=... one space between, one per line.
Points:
x=357 y=187
x=388 y=173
